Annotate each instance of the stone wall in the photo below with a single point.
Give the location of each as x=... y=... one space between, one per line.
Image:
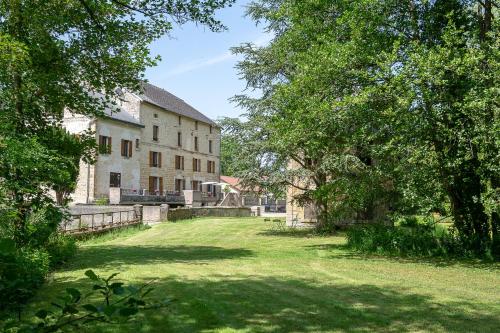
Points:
x=168 y=127
x=187 y=213
x=155 y=213
x=222 y=211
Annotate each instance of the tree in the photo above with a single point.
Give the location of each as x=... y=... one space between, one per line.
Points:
x=398 y=111
x=229 y=147
x=72 y=55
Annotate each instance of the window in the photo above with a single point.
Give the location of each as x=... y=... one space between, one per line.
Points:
x=115 y=179
x=179 y=162
x=210 y=129
x=179 y=139
x=211 y=190
x=136 y=143
x=211 y=166
x=155 y=159
x=209 y=146
x=104 y=144
x=126 y=148
x=155 y=115
x=180 y=120
x=196 y=185
x=196 y=143
x=180 y=185
x=155 y=132
x=196 y=164
x=155 y=185
x=196 y=125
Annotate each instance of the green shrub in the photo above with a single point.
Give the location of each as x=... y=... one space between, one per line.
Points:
x=102 y=201
x=60 y=249
x=417 y=240
x=21 y=272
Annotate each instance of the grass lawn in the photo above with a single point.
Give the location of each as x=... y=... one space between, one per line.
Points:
x=233 y=275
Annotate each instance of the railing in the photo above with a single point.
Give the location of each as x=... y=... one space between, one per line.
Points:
x=92 y=222
x=127 y=195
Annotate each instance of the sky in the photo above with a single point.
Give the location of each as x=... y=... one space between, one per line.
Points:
x=197 y=65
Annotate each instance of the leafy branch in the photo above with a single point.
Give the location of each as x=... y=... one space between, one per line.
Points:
x=119 y=302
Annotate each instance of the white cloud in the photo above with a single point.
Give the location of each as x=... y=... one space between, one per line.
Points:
x=202 y=63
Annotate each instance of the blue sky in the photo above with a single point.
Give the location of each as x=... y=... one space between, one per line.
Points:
x=197 y=65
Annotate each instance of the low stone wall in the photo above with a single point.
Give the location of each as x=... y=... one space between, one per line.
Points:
x=179 y=214
x=187 y=213
x=222 y=211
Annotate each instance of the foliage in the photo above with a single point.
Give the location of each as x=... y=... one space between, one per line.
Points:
x=119 y=302
x=394 y=115
x=21 y=272
x=102 y=201
x=230 y=146
x=408 y=239
x=72 y=56
x=60 y=248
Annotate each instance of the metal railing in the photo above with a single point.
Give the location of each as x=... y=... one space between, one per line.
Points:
x=92 y=222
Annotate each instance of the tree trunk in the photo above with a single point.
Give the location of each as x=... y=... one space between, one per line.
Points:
x=471 y=220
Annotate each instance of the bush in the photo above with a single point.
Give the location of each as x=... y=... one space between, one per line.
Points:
x=21 y=272
x=417 y=240
x=60 y=249
x=102 y=201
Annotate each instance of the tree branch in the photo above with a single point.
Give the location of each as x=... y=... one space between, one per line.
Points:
x=92 y=15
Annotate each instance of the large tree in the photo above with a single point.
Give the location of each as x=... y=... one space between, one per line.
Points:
x=380 y=102
x=71 y=55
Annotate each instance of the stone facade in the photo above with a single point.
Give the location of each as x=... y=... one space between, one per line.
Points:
x=149 y=128
x=296 y=213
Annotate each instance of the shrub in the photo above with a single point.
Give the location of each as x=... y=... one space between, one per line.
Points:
x=417 y=240
x=76 y=309
x=102 y=201
x=60 y=248
x=21 y=272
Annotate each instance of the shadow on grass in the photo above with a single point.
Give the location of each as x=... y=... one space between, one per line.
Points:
x=343 y=251
x=111 y=256
x=284 y=305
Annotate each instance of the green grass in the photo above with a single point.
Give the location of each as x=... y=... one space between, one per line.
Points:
x=233 y=275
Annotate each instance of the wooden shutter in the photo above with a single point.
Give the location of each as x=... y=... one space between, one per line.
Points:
x=122 y=147
x=161 y=185
x=194 y=164
x=109 y=147
x=159 y=160
x=150 y=158
x=183 y=184
x=130 y=149
x=151 y=184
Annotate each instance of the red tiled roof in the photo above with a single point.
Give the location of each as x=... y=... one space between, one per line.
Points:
x=232 y=181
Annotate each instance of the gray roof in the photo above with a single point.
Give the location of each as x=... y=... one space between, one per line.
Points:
x=165 y=100
x=119 y=114
x=115 y=112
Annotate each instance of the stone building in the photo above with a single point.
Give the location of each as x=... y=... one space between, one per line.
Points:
x=155 y=143
x=295 y=212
